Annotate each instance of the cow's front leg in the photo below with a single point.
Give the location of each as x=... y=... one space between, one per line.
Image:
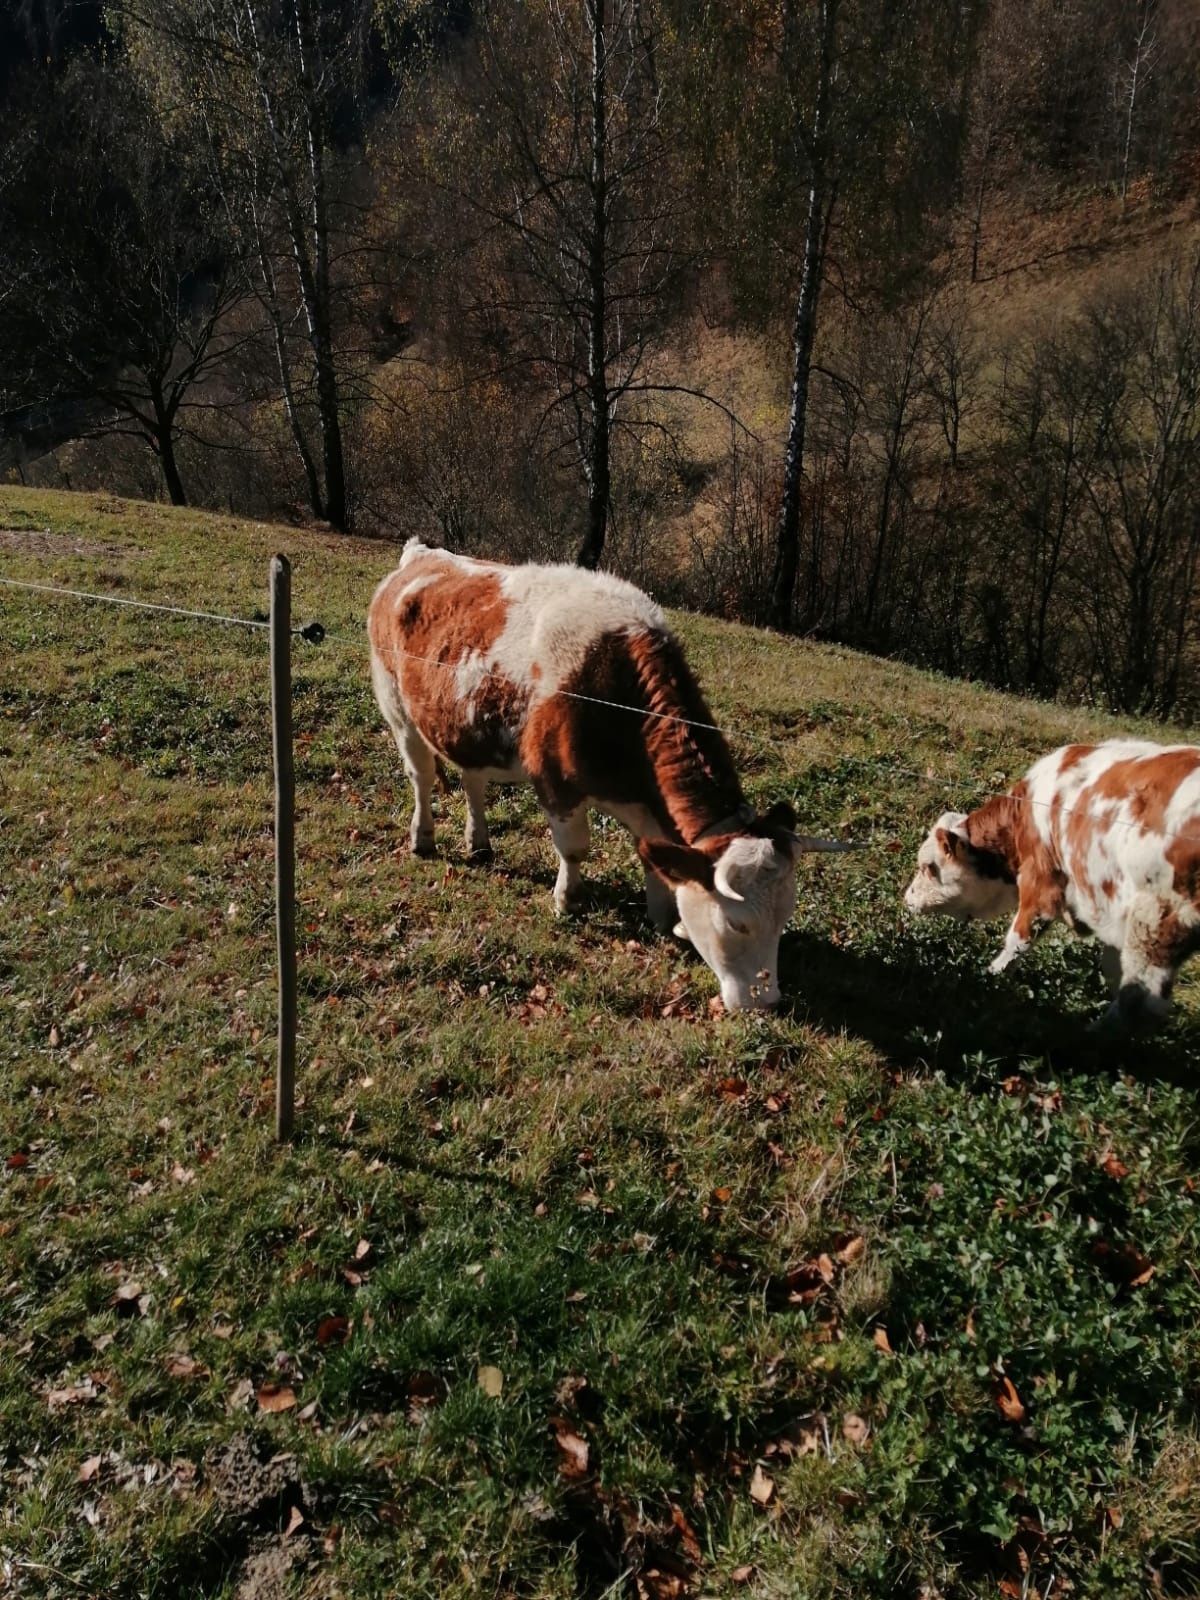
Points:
x=1015 y=944
x=478 y=844
x=1037 y=904
x=570 y=835
x=1110 y=966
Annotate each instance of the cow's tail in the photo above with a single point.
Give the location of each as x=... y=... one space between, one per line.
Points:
x=443 y=777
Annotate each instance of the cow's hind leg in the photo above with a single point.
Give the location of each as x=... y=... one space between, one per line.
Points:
x=418 y=758
x=1110 y=966
x=1155 y=944
x=570 y=835
x=478 y=844
x=421 y=766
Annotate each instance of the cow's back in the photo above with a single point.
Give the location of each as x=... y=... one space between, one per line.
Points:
x=472 y=649
x=1122 y=819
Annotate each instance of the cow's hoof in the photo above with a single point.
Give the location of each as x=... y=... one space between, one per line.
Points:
x=568 y=905
x=680 y=932
x=424 y=847
x=479 y=855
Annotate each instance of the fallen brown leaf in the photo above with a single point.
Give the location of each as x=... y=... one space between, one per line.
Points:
x=882 y=1342
x=574 y=1450
x=74 y=1394
x=295 y=1521
x=491 y=1381
x=90 y=1468
x=275 y=1397
x=333 y=1330
x=1009 y=1402
x=1115 y=1169
x=855 y=1429
x=851 y=1250
x=741 y=1575
x=185 y=1366
x=762 y=1487
x=240 y=1395
x=1123 y=1263
x=687 y=1537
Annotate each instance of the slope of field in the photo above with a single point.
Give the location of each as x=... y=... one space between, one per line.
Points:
x=566 y=1287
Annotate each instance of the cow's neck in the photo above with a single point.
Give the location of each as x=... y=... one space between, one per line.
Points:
x=1003 y=827
x=693 y=769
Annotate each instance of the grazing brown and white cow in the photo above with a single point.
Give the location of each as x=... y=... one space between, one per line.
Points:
x=1103 y=837
x=506 y=671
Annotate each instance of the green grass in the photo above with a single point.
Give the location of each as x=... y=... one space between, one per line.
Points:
x=810 y=1246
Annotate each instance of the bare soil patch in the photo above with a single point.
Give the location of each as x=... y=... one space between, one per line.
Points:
x=41 y=542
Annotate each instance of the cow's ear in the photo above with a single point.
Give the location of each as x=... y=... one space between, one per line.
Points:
x=782 y=816
x=676 y=863
x=951 y=844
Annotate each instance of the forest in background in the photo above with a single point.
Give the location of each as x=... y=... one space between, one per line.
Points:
x=876 y=320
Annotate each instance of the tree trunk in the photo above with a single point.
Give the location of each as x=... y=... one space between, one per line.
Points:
x=328 y=404
x=598 y=464
x=163 y=442
x=311 y=257
x=985 y=162
x=317 y=292
x=170 y=470
x=787 y=547
x=279 y=336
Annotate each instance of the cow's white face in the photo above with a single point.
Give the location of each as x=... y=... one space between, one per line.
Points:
x=953 y=879
x=733 y=908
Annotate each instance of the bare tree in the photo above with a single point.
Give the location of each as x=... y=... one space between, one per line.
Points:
x=117 y=273
x=262 y=82
x=552 y=151
x=1132 y=78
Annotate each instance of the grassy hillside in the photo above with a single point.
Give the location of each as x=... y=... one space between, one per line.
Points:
x=566 y=1287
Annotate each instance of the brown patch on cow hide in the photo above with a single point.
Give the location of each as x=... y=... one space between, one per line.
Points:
x=1073 y=755
x=1170 y=943
x=996 y=833
x=1183 y=857
x=1004 y=829
x=1147 y=784
x=425 y=637
x=575 y=750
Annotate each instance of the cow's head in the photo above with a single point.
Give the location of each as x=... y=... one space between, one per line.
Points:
x=734 y=896
x=956 y=879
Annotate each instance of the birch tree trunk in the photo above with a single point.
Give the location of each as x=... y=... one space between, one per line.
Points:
x=804 y=327
x=597 y=467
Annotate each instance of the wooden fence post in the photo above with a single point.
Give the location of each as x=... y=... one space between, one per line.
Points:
x=285 y=841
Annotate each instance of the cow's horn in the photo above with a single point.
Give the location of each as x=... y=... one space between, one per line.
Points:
x=723 y=885
x=807 y=843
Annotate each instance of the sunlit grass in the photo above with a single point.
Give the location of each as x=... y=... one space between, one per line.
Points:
x=679 y=1240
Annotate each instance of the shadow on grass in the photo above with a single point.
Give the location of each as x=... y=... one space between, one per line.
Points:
x=921 y=1011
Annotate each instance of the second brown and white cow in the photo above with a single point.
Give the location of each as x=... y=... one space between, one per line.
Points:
x=1103 y=837
x=572 y=681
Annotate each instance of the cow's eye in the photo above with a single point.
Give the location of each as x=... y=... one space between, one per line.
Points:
x=931 y=871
